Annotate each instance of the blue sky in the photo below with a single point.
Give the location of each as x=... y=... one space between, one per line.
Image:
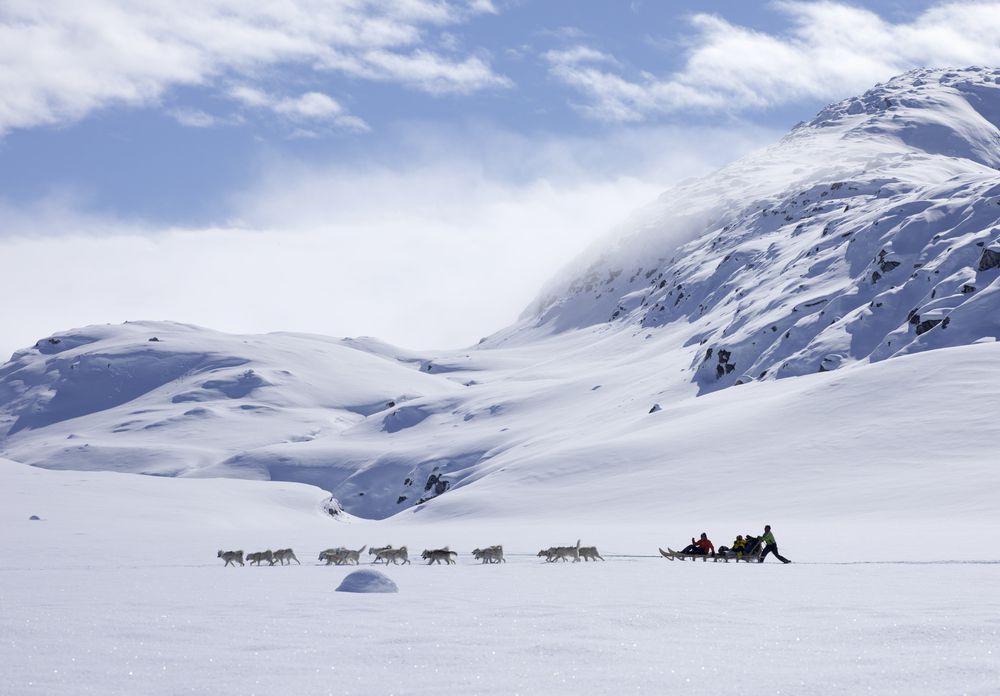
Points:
x=467 y=148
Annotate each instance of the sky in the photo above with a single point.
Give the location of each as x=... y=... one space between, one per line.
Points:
x=414 y=170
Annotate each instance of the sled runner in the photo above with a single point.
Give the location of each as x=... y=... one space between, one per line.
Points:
x=671 y=555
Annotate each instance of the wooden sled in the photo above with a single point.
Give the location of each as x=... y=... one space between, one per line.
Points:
x=672 y=555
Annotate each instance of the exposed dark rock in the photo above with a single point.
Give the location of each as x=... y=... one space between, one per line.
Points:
x=656 y=407
x=437 y=483
x=34 y=517
x=400 y=499
x=154 y=339
x=989 y=259
x=927 y=325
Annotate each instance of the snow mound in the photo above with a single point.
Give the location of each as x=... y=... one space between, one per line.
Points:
x=367 y=581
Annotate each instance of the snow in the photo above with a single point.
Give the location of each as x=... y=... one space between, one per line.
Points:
x=807 y=339
x=367 y=581
x=119 y=591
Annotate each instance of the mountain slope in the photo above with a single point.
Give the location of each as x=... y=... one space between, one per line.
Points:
x=871 y=232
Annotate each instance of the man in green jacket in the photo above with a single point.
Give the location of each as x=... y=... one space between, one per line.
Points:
x=771 y=546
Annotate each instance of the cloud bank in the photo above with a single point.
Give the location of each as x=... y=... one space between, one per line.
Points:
x=418 y=249
x=829 y=51
x=60 y=60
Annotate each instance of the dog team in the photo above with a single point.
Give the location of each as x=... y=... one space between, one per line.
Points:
x=400 y=556
x=564 y=553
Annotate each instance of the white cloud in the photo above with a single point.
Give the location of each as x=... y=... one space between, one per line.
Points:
x=418 y=248
x=310 y=106
x=829 y=51
x=194 y=118
x=62 y=59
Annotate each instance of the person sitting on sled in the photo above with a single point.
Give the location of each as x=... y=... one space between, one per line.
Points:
x=735 y=550
x=701 y=547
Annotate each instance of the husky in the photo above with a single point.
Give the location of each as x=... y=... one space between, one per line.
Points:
x=231 y=557
x=438 y=555
x=397 y=556
x=555 y=553
x=331 y=556
x=259 y=556
x=491 y=554
x=380 y=553
x=589 y=553
x=283 y=556
x=350 y=557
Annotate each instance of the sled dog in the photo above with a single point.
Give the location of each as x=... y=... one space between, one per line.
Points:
x=380 y=553
x=589 y=553
x=330 y=555
x=438 y=555
x=397 y=556
x=491 y=554
x=231 y=557
x=283 y=556
x=349 y=556
x=259 y=556
x=555 y=553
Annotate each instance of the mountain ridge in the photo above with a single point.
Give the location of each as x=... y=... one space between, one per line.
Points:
x=839 y=247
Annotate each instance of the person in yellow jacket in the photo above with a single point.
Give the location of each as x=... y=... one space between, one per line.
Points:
x=770 y=546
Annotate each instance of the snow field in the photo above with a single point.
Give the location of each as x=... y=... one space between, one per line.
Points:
x=117 y=590
x=527 y=627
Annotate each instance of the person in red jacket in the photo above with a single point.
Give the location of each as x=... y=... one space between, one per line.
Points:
x=701 y=547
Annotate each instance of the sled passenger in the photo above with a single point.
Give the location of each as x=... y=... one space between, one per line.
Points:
x=771 y=546
x=701 y=547
x=734 y=550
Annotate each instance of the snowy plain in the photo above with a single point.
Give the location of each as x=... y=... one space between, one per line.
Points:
x=116 y=590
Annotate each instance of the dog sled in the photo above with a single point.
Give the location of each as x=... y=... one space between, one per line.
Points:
x=726 y=556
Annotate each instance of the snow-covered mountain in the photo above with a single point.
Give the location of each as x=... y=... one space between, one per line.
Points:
x=871 y=232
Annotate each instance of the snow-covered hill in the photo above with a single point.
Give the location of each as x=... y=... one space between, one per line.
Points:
x=871 y=232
